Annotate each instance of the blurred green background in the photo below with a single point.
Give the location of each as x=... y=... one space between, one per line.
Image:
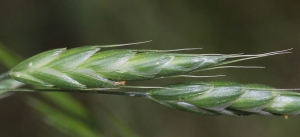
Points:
x=29 y=27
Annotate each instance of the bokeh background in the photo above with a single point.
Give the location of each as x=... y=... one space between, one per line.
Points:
x=29 y=27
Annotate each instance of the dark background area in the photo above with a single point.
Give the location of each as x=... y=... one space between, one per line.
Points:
x=29 y=27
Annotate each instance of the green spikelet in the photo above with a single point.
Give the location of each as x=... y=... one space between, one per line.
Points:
x=85 y=67
x=226 y=98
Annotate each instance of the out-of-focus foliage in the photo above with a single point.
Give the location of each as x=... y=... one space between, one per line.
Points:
x=64 y=100
x=63 y=122
x=7 y=57
x=121 y=127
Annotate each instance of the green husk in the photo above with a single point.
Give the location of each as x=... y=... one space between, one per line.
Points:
x=226 y=98
x=82 y=67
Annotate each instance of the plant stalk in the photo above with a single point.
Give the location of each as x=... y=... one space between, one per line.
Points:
x=131 y=94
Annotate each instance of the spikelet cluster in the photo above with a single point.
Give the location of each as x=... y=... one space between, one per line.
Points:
x=85 y=67
x=227 y=98
x=88 y=67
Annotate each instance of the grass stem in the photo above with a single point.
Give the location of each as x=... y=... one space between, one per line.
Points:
x=97 y=91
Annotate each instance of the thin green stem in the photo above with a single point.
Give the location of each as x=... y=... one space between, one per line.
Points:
x=131 y=94
x=4 y=76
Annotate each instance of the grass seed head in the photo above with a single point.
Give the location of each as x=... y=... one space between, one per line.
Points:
x=225 y=98
x=85 y=67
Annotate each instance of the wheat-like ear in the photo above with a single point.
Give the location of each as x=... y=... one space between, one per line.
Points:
x=85 y=67
x=227 y=98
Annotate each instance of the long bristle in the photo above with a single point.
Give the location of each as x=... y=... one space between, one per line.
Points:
x=121 y=45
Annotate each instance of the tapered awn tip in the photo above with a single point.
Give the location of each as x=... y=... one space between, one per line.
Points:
x=120 y=45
